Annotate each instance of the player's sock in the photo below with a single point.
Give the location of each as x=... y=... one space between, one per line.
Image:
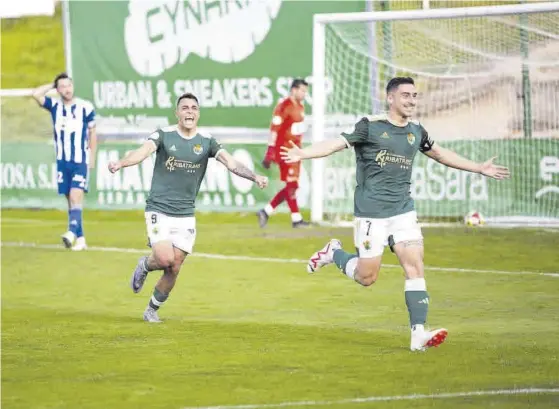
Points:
x=417 y=300
x=157 y=299
x=276 y=201
x=80 y=225
x=291 y=199
x=145 y=265
x=346 y=262
x=75 y=221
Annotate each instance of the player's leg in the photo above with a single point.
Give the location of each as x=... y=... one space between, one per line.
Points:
x=78 y=188
x=264 y=214
x=75 y=213
x=164 y=285
x=162 y=254
x=182 y=232
x=293 y=171
x=64 y=179
x=362 y=267
x=406 y=241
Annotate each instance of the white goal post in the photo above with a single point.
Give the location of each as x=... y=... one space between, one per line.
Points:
x=488 y=79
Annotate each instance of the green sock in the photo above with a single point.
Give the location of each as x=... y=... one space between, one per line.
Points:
x=345 y=262
x=417 y=301
x=157 y=299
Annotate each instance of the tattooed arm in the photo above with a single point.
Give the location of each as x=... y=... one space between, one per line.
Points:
x=240 y=170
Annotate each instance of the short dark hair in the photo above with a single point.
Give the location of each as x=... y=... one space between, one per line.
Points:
x=61 y=76
x=187 y=95
x=297 y=82
x=395 y=82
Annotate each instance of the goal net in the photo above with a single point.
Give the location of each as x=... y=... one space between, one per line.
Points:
x=488 y=82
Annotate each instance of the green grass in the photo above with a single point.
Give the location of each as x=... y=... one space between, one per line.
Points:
x=24 y=120
x=32 y=50
x=246 y=332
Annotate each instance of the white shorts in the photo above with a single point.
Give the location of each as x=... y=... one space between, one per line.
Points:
x=180 y=231
x=371 y=235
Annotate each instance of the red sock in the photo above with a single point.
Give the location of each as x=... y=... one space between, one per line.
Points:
x=279 y=198
x=291 y=197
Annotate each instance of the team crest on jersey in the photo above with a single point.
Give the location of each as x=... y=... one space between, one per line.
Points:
x=155 y=230
x=411 y=138
x=367 y=245
x=198 y=149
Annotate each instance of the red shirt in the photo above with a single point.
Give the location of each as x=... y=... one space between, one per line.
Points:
x=288 y=123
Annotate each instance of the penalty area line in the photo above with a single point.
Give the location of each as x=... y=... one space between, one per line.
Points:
x=267 y=259
x=497 y=392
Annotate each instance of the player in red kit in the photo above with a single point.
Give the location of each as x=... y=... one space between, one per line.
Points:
x=287 y=126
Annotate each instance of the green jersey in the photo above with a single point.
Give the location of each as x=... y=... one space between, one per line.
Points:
x=384 y=155
x=180 y=166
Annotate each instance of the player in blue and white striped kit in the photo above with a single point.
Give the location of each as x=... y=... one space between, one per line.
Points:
x=75 y=142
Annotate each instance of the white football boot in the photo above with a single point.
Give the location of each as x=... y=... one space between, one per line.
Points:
x=80 y=244
x=421 y=339
x=150 y=315
x=324 y=256
x=68 y=239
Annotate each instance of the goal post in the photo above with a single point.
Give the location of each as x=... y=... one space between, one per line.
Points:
x=488 y=82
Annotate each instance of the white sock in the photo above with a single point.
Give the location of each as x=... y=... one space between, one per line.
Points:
x=418 y=328
x=296 y=217
x=268 y=209
x=350 y=268
x=415 y=284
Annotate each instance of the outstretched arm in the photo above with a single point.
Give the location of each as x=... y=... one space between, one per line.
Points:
x=453 y=160
x=240 y=170
x=316 y=150
x=134 y=157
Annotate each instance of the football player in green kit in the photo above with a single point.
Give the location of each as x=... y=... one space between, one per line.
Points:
x=182 y=154
x=385 y=147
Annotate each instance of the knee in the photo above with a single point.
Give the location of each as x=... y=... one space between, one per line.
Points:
x=367 y=276
x=368 y=280
x=292 y=188
x=75 y=198
x=164 y=260
x=175 y=268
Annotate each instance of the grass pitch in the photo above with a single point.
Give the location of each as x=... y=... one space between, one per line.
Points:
x=241 y=331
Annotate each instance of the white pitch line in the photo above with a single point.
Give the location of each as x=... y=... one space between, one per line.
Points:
x=267 y=259
x=501 y=392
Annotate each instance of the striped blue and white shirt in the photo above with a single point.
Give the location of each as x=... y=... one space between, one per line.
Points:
x=71 y=124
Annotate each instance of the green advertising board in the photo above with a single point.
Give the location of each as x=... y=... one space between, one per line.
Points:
x=28 y=179
x=133 y=58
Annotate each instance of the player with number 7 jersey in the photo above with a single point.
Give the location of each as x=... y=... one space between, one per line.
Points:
x=385 y=147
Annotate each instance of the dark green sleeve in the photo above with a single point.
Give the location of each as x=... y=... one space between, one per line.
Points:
x=157 y=138
x=358 y=134
x=426 y=143
x=215 y=147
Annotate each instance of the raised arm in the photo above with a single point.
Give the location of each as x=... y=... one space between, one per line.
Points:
x=40 y=93
x=134 y=157
x=357 y=134
x=453 y=160
x=316 y=150
x=239 y=169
